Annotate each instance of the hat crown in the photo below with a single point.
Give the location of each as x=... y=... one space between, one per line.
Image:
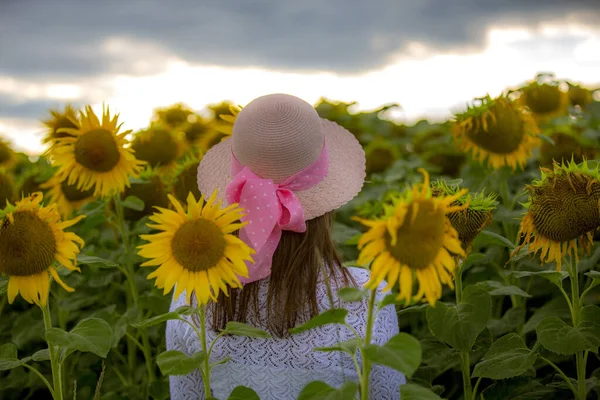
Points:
x=277 y=135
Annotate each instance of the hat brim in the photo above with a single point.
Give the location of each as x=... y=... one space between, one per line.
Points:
x=343 y=182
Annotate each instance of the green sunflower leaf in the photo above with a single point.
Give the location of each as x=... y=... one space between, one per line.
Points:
x=173 y=362
x=333 y=316
x=318 y=390
x=349 y=346
x=352 y=294
x=96 y=261
x=555 y=335
x=460 y=325
x=159 y=319
x=595 y=275
x=555 y=277
x=243 y=393
x=92 y=335
x=506 y=358
x=240 y=329
x=411 y=391
x=134 y=203
x=42 y=355
x=488 y=237
x=402 y=353
x=557 y=307
x=471 y=260
x=8 y=357
x=495 y=288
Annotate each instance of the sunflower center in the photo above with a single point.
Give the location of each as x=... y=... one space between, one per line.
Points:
x=97 y=150
x=198 y=245
x=561 y=213
x=419 y=242
x=543 y=98
x=73 y=194
x=27 y=246
x=504 y=133
x=158 y=149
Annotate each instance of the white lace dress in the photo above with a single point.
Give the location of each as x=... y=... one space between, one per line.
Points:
x=278 y=369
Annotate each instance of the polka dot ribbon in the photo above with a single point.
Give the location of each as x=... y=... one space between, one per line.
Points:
x=270 y=208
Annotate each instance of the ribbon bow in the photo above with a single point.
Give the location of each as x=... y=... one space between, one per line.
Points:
x=270 y=208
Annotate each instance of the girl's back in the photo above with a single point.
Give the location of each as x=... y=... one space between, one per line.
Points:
x=278 y=368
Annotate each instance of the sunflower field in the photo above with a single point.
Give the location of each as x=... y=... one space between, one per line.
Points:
x=485 y=228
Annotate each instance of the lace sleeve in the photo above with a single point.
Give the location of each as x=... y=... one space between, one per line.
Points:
x=180 y=337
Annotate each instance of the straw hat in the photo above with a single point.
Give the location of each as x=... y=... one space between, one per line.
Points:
x=279 y=135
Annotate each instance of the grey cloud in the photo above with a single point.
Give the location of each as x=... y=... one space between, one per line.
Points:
x=64 y=38
x=10 y=107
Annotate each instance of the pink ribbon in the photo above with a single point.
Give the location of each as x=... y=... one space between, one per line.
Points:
x=270 y=208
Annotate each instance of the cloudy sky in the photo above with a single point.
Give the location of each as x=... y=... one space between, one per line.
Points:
x=431 y=56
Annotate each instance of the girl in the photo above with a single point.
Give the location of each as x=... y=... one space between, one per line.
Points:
x=289 y=169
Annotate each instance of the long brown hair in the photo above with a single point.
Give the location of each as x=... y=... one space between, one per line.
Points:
x=298 y=262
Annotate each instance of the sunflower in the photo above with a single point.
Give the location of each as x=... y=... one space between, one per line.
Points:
x=194 y=131
x=152 y=190
x=579 y=96
x=496 y=129
x=414 y=239
x=159 y=147
x=8 y=157
x=545 y=100
x=437 y=147
x=32 y=239
x=95 y=155
x=227 y=128
x=196 y=249
x=173 y=116
x=380 y=155
x=59 y=121
x=30 y=185
x=186 y=180
x=67 y=198
x=470 y=221
x=562 y=212
x=7 y=188
x=568 y=145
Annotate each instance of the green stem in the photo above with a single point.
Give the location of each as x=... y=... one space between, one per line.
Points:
x=42 y=377
x=575 y=316
x=56 y=378
x=364 y=395
x=458 y=283
x=562 y=374
x=130 y=276
x=476 y=388
x=585 y=292
x=213 y=344
x=465 y=363
x=206 y=374
x=465 y=366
